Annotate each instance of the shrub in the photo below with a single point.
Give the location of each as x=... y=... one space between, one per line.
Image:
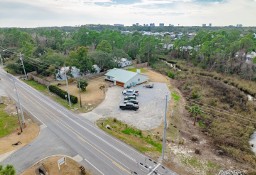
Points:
x=63 y=94
x=171 y=75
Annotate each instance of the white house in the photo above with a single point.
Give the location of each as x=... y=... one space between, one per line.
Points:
x=123 y=62
x=96 y=68
x=61 y=74
x=125 y=78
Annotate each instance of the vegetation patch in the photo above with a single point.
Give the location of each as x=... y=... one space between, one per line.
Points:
x=8 y=123
x=63 y=94
x=135 y=70
x=141 y=141
x=175 y=96
x=36 y=85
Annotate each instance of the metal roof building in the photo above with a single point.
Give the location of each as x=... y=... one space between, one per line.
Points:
x=125 y=78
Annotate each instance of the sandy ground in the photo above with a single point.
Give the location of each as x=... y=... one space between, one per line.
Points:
x=93 y=96
x=29 y=133
x=50 y=164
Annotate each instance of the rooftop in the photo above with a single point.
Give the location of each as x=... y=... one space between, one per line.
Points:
x=121 y=75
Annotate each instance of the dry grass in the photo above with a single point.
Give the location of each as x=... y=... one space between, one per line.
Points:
x=50 y=164
x=93 y=96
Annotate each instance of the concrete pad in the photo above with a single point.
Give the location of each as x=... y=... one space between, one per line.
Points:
x=150 y=114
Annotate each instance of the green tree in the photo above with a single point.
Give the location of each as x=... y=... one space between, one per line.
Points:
x=195 y=110
x=8 y=170
x=82 y=84
x=80 y=59
x=103 y=59
x=104 y=46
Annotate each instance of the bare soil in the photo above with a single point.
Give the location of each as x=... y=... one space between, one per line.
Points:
x=50 y=164
x=93 y=95
x=30 y=132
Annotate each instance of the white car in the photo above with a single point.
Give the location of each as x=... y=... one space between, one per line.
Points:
x=130 y=92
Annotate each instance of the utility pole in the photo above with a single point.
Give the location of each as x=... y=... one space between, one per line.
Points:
x=19 y=118
x=80 y=99
x=2 y=62
x=18 y=99
x=165 y=126
x=21 y=59
x=69 y=102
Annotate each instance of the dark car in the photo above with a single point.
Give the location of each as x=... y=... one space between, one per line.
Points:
x=129 y=106
x=131 y=97
x=149 y=85
x=132 y=101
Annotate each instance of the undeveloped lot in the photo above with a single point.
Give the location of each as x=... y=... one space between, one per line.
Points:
x=150 y=114
x=93 y=96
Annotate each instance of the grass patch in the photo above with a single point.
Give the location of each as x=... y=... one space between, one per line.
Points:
x=142 y=70
x=175 y=96
x=8 y=123
x=132 y=136
x=44 y=89
x=36 y=85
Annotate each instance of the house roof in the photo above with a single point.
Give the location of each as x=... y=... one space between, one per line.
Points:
x=121 y=75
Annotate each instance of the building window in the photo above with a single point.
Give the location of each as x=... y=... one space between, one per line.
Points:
x=138 y=79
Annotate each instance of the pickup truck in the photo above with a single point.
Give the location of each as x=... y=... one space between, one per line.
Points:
x=129 y=106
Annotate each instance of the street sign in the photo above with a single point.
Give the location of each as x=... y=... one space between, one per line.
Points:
x=61 y=161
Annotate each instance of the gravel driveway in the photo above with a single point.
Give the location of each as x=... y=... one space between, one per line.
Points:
x=150 y=114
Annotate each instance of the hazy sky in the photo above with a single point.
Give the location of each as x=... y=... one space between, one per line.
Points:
x=38 y=13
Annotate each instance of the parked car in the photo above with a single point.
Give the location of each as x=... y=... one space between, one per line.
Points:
x=130 y=92
x=129 y=106
x=149 y=86
x=130 y=97
x=132 y=101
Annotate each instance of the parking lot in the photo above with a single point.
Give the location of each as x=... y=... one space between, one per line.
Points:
x=151 y=107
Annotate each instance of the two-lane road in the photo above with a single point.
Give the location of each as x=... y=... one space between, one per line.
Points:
x=98 y=150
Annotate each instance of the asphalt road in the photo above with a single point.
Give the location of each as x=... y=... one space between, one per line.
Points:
x=99 y=151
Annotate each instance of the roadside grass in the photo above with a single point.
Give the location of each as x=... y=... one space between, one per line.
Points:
x=175 y=96
x=37 y=86
x=205 y=167
x=136 y=138
x=44 y=89
x=142 y=70
x=8 y=123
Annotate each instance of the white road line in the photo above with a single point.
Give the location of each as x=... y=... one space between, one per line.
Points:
x=93 y=166
x=84 y=128
x=154 y=169
x=104 y=153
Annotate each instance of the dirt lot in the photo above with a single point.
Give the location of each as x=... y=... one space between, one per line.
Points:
x=93 y=96
x=29 y=133
x=50 y=164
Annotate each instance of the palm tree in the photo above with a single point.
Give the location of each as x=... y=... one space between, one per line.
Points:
x=195 y=110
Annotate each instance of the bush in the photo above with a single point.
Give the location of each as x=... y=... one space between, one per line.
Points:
x=171 y=75
x=63 y=94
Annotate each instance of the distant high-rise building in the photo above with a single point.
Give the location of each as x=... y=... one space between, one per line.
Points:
x=145 y=25
x=171 y=25
x=203 y=25
x=161 y=24
x=239 y=25
x=210 y=24
x=137 y=24
x=152 y=24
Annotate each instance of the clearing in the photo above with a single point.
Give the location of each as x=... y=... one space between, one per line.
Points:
x=93 y=95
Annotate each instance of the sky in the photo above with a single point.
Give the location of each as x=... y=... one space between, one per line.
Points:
x=41 y=13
